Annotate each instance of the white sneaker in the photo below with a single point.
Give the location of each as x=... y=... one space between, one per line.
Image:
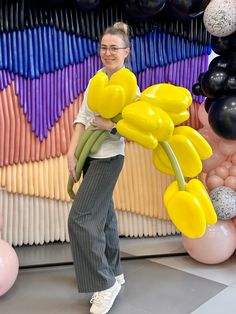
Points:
x=102 y=301
x=120 y=279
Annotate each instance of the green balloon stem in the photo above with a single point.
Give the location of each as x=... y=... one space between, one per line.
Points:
x=175 y=165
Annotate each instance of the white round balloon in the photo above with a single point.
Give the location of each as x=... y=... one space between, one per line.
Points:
x=219 y=17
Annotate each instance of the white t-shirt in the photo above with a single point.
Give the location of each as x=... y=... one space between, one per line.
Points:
x=112 y=146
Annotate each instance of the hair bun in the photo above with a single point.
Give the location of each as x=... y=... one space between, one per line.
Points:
x=122 y=27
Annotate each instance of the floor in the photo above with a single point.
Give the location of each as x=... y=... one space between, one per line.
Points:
x=160 y=279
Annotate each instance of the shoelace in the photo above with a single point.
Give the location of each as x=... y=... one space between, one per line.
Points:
x=99 y=297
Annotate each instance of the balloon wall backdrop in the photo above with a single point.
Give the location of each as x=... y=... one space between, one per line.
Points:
x=48 y=53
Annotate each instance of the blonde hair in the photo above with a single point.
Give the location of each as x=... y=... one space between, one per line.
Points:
x=121 y=29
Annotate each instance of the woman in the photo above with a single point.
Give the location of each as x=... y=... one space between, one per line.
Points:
x=92 y=221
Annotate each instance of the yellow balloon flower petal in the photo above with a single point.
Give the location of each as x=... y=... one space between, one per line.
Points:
x=96 y=86
x=125 y=78
x=196 y=188
x=169 y=97
x=146 y=139
x=149 y=118
x=201 y=145
x=159 y=165
x=179 y=117
x=185 y=153
x=111 y=101
x=187 y=214
x=142 y=115
x=170 y=191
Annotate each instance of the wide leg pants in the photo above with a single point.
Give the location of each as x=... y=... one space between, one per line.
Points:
x=92 y=226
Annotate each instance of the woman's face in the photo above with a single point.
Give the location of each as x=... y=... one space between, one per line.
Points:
x=113 y=52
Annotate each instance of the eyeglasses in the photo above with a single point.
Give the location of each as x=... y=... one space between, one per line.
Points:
x=112 y=50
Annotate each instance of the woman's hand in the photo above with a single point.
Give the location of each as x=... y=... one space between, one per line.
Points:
x=102 y=123
x=72 y=161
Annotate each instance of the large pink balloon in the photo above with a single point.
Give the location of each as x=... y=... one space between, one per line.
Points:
x=215 y=246
x=9 y=265
x=1 y=222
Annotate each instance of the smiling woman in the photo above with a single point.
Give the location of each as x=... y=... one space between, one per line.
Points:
x=92 y=221
x=114 y=48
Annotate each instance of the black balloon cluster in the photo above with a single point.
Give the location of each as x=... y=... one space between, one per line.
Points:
x=138 y=10
x=218 y=85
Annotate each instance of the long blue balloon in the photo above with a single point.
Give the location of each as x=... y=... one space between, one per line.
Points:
x=32 y=52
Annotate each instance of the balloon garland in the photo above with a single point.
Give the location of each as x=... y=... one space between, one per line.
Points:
x=218 y=116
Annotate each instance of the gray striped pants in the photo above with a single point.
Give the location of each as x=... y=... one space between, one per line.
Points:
x=92 y=226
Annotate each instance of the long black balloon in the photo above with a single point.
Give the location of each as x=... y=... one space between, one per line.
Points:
x=21 y=14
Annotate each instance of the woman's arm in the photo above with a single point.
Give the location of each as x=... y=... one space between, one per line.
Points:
x=71 y=159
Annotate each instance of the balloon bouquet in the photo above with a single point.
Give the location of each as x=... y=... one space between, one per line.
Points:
x=218 y=116
x=9 y=264
x=152 y=121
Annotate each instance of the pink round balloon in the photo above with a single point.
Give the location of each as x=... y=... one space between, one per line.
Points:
x=213 y=182
x=222 y=172
x=1 y=222
x=215 y=246
x=230 y=182
x=9 y=265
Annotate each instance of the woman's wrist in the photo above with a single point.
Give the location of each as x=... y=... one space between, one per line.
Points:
x=113 y=125
x=113 y=129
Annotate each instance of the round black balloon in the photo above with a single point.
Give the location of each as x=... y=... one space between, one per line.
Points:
x=222 y=117
x=224 y=45
x=227 y=62
x=196 y=89
x=220 y=61
x=184 y=10
x=230 y=84
x=86 y=5
x=134 y=12
x=208 y=102
x=154 y=6
x=213 y=82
